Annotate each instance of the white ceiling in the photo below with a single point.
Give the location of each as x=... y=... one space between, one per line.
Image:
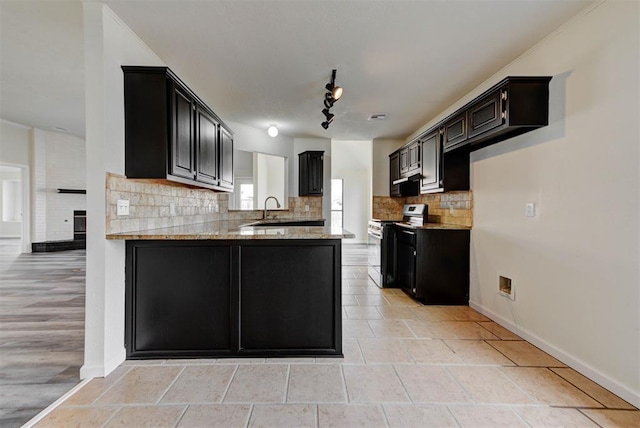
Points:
x=262 y=62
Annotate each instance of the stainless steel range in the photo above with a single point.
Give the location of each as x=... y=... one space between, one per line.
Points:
x=381 y=233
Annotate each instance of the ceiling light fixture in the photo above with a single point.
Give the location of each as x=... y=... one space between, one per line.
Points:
x=272 y=130
x=334 y=94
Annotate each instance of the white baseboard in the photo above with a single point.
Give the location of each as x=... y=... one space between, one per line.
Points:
x=102 y=371
x=40 y=416
x=580 y=366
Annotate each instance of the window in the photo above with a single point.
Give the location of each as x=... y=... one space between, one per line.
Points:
x=336 y=202
x=246 y=196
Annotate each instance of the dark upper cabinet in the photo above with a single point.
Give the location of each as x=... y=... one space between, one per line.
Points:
x=226 y=159
x=431 y=177
x=207 y=147
x=171 y=134
x=182 y=148
x=442 y=172
x=394 y=174
x=310 y=173
x=487 y=113
x=404 y=160
x=455 y=131
x=414 y=157
x=512 y=107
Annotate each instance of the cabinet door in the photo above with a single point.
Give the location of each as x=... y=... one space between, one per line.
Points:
x=207 y=147
x=455 y=131
x=297 y=307
x=226 y=159
x=311 y=176
x=182 y=299
x=431 y=163
x=405 y=263
x=316 y=174
x=414 y=156
x=486 y=114
x=404 y=161
x=182 y=141
x=394 y=174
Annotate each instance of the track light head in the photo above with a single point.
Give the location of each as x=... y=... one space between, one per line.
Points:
x=328 y=100
x=327 y=114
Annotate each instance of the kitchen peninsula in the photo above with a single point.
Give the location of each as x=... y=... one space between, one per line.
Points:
x=224 y=289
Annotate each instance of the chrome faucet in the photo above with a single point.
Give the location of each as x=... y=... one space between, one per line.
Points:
x=264 y=214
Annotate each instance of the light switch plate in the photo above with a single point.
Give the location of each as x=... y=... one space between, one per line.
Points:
x=530 y=209
x=122 y=207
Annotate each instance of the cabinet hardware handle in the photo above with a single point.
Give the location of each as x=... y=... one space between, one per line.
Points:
x=415 y=254
x=504 y=95
x=504 y=114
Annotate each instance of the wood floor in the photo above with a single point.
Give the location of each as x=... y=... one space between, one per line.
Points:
x=41 y=329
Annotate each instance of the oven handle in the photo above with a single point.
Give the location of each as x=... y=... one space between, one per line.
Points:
x=375 y=235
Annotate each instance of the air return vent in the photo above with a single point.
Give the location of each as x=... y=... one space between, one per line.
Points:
x=377 y=116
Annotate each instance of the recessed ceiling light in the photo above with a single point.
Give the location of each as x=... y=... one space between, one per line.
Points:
x=377 y=116
x=272 y=131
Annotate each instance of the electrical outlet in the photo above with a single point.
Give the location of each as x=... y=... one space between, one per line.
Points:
x=172 y=208
x=216 y=208
x=306 y=207
x=530 y=209
x=122 y=207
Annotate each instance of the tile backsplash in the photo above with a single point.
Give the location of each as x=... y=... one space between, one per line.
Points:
x=449 y=208
x=150 y=205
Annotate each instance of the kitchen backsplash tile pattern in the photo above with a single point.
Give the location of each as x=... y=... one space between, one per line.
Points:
x=150 y=205
x=449 y=208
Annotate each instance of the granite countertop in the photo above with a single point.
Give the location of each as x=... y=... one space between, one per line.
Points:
x=235 y=229
x=434 y=226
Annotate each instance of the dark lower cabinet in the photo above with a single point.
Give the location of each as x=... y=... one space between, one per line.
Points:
x=287 y=309
x=433 y=265
x=233 y=298
x=179 y=297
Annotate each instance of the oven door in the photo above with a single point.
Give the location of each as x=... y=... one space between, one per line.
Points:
x=375 y=248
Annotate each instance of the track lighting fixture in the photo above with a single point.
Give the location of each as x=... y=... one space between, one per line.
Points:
x=334 y=94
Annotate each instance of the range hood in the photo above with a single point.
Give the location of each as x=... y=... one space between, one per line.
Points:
x=413 y=177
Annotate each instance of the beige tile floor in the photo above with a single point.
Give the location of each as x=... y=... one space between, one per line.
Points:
x=405 y=365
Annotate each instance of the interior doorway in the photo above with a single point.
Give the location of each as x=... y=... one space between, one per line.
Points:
x=14 y=205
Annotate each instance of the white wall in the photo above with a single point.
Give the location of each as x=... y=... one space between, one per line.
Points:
x=352 y=162
x=58 y=162
x=575 y=265
x=14 y=143
x=382 y=148
x=322 y=144
x=109 y=43
x=256 y=140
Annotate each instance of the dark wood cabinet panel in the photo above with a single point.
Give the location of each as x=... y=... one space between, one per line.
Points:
x=433 y=265
x=487 y=113
x=207 y=147
x=226 y=159
x=182 y=150
x=170 y=133
x=431 y=177
x=414 y=156
x=294 y=308
x=310 y=173
x=455 y=131
x=233 y=298
x=404 y=160
x=394 y=174
x=179 y=297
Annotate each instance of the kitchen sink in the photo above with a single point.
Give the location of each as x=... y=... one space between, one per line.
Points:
x=285 y=222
